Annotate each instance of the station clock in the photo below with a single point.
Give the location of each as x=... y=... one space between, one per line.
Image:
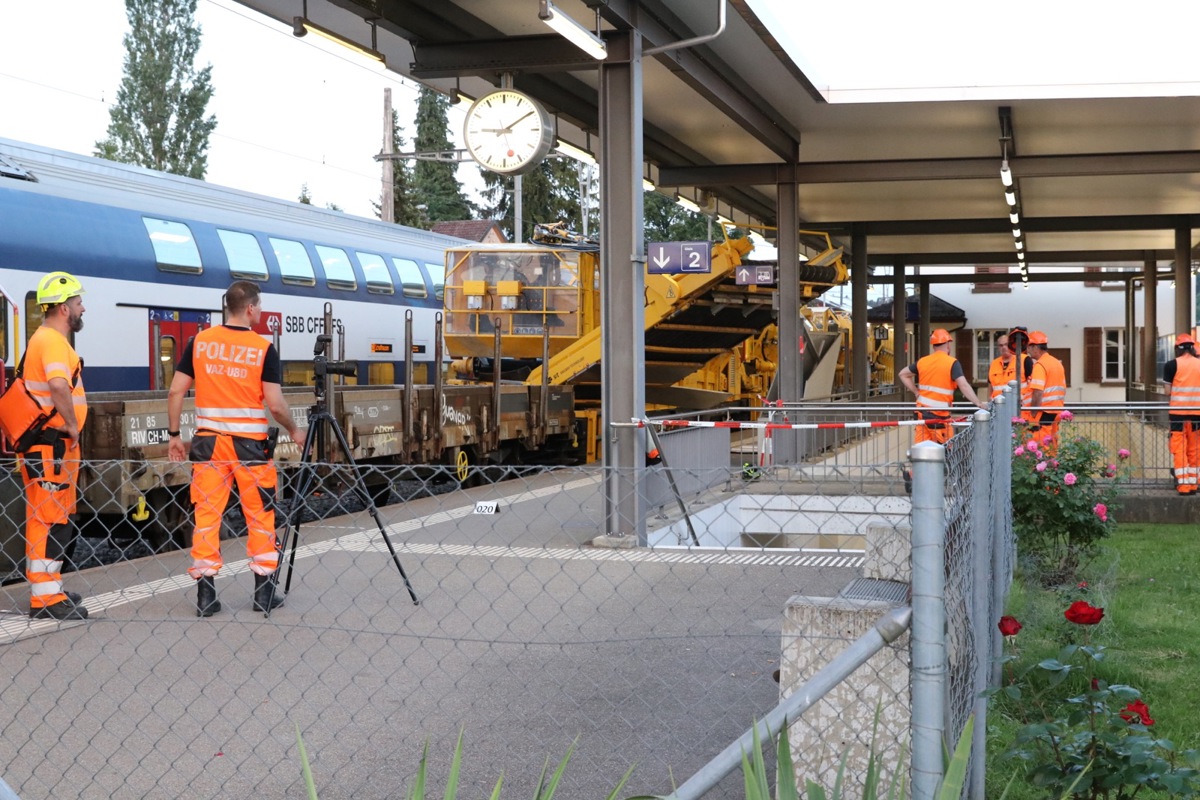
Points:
x=508 y=132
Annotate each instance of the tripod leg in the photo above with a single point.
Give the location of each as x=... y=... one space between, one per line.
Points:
x=306 y=477
x=360 y=486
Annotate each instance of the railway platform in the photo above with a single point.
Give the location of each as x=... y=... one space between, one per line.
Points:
x=526 y=640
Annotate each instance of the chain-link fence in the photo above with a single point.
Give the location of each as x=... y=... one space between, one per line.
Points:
x=529 y=639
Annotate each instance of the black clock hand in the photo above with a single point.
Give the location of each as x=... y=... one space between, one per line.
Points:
x=516 y=122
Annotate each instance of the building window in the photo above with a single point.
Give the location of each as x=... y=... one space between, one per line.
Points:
x=986 y=351
x=1114 y=354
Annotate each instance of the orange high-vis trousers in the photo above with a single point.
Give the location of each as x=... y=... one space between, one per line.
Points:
x=1185 y=455
x=218 y=461
x=934 y=430
x=49 y=503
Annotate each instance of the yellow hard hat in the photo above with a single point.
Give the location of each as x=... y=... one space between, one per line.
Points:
x=58 y=287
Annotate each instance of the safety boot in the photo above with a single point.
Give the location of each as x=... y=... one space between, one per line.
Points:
x=266 y=596
x=207 y=603
x=63 y=610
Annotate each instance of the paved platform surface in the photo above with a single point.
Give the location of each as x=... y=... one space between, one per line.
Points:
x=526 y=639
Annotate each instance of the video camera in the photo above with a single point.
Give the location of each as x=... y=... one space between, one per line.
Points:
x=322 y=366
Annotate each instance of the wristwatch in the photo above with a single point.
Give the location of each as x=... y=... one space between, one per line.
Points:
x=172 y=434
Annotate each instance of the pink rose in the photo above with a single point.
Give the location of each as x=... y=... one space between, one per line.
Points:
x=1017 y=420
x=1122 y=453
x=1069 y=479
x=1047 y=439
x=1054 y=463
x=1041 y=467
x=1020 y=451
x=1110 y=471
x=1101 y=512
x=1066 y=415
x=1031 y=445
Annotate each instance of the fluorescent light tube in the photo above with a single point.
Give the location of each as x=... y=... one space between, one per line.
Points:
x=573 y=32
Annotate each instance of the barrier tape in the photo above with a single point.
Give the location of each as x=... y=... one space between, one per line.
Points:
x=782 y=426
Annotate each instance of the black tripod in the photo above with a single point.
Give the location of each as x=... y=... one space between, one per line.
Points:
x=320 y=420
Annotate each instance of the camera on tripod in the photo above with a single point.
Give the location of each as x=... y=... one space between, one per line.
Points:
x=322 y=366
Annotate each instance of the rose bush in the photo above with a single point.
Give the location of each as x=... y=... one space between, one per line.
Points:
x=1082 y=737
x=1063 y=503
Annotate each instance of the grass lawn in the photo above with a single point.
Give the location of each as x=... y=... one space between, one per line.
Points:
x=1148 y=582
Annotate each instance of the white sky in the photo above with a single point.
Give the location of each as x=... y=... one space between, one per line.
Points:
x=289 y=111
x=887 y=51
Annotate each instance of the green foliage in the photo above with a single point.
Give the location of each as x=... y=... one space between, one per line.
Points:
x=1083 y=737
x=551 y=192
x=435 y=183
x=1062 y=502
x=159 y=118
x=405 y=210
x=305 y=197
x=667 y=221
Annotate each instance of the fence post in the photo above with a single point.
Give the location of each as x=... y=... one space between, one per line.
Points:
x=981 y=597
x=1002 y=535
x=929 y=617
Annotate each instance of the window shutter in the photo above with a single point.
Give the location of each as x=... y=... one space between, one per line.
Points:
x=1093 y=355
x=991 y=287
x=964 y=351
x=1092 y=282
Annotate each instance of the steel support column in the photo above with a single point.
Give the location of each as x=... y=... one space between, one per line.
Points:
x=791 y=363
x=1183 y=280
x=921 y=340
x=899 y=322
x=858 y=313
x=622 y=285
x=1133 y=359
x=1149 y=357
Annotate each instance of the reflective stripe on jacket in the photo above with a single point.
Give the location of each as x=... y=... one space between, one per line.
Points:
x=50 y=355
x=228 y=363
x=1051 y=378
x=935 y=387
x=1185 y=387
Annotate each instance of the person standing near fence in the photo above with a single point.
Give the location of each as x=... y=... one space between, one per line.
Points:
x=53 y=374
x=1048 y=385
x=1003 y=368
x=235 y=371
x=933 y=380
x=1182 y=377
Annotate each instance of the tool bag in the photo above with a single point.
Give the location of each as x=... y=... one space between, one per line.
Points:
x=22 y=417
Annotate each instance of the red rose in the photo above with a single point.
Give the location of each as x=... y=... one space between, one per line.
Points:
x=1083 y=613
x=1137 y=712
x=1009 y=626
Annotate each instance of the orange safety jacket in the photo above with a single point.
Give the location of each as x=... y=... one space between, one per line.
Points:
x=1000 y=374
x=1049 y=377
x=50 y=355
x=1185 y=386
x=935 y=386
x=229 y=398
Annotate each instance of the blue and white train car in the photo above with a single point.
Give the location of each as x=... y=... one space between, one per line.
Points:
x=155 y=253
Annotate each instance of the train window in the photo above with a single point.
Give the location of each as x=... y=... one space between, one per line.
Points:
x=379 y=280
x=294 y=264
x=174 y=246
x=338 y=272
x=245 y=256
x=166 y=362
x=4 y=333
x=437 y=273
x=411 y=277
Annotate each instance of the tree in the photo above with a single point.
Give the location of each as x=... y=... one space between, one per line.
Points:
x=405 y=210
x=667 y=221
x=549 y=193
x=435 y=182
x=159 y=118
x=305 y=195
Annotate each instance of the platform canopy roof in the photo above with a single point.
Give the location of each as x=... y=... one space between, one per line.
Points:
x=1101 y=180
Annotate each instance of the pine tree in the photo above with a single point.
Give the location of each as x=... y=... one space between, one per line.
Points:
x=305 y=195
x=667 y=221
x=549 y=193
x=405 y=210
x=435 y=182
x=159 y=118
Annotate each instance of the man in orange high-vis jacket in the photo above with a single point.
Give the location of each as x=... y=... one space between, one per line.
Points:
x=235 y=372
x=1183 y=377
x=50 y=468
x=1003 y=368
x=933 y=380
x=1048 y=383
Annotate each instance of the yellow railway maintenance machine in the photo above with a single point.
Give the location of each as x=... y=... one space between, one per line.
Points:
x=531 y=313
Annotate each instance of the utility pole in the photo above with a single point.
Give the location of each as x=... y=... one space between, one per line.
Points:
x=387 y=201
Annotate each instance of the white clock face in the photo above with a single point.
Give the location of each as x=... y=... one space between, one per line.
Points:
x=507 y=132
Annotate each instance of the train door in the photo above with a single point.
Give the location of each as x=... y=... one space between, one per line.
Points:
x=169 y=332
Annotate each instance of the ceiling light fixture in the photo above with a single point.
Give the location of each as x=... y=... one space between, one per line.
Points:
x=1020 y=247
x=647 y=185
x=571 y=151
x=684 y=202
x=1005 y=174
x=1011 y=199
x=302 y=26
x=571 y=30
x=1014 y=217
x=1017 y=234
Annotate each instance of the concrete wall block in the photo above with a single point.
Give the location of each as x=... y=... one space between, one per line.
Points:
x=888 y=555
x=815 y=630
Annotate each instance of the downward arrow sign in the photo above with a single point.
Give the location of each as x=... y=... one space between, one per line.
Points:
x=661 y=259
